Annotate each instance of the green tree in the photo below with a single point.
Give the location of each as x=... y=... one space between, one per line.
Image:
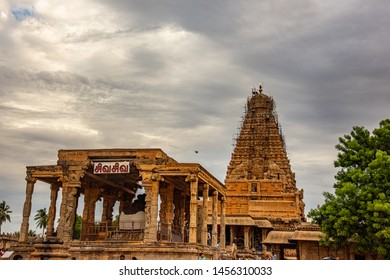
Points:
x=77 y=227
x=41 y=219
x=4 y=213
x=358 y=212
x=115 y=222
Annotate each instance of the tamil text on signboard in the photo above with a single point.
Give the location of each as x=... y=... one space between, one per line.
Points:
x=110 y=167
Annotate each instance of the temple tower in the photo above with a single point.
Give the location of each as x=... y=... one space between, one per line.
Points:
x=259 y=181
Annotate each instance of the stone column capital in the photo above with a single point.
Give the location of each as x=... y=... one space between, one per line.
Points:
x=30 y=179
x=75 y=176
x=54 y=187
x=193 y=177
x=146 y=176
x=157 y=177
x=72 y=178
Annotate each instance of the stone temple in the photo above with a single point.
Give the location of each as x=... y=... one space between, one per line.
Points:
x=261 y=192
x=153 y=207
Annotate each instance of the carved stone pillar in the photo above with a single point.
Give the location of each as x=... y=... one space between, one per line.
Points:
x=179 y=217
x=182 y=218
x=52 y=209
x=214 y=231
x=67 y=213
x=205 y=214
x=70 y=193
x=27 y=208
x=193 y=179
x=91 y=195
x=163 y=213
x=222 y=236
x=166 y=212
x=108 y=209
x=151 y=185
x=170 y=210
x=246 y=238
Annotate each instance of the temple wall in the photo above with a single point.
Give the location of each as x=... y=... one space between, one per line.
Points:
x=309 y=250
x=161 y=251
x=272 y=209
x=237 y=205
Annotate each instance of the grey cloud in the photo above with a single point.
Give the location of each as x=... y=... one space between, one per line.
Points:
x=54 y=81
x=192 y=15
x=120 y=84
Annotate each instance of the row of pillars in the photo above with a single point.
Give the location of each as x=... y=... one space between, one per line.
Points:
x=68 y=209
x=23 y=237
x=248 y=237
x=152 y=189
x=70 y=194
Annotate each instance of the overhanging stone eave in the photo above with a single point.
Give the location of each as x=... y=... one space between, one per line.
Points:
x=278 y=237
x=45 y=171
x=313 y=236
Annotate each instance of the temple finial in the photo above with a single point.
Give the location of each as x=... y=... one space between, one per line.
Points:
x=260 y=88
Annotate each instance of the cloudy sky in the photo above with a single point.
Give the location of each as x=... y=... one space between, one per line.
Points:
x=175 y=75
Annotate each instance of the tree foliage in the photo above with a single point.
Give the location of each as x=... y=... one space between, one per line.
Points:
x=4 y=213
x=41 y=219
x=358 y=212
x=77 y=227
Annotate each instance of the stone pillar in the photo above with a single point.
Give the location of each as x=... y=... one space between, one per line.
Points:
x=108 y=208
x=252 y=238
x=232 y=235
x=166 y=212
x=205 y=214
x=169 y=208
x=222 y=236
x=214 y=232
x=151 y=183
x=67 y=213
x=193 y=179
x=70 y=193
x=91 y=195
x=263 y=237
x=27 y=208
x=182 y=218
x=246 y=238
x=163 y=208
x=179 y=215
x=52 y=209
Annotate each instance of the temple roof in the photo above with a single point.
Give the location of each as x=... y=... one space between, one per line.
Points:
x=278 y=237
x=307 y=236
x=243 y=220
x=139 y=161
